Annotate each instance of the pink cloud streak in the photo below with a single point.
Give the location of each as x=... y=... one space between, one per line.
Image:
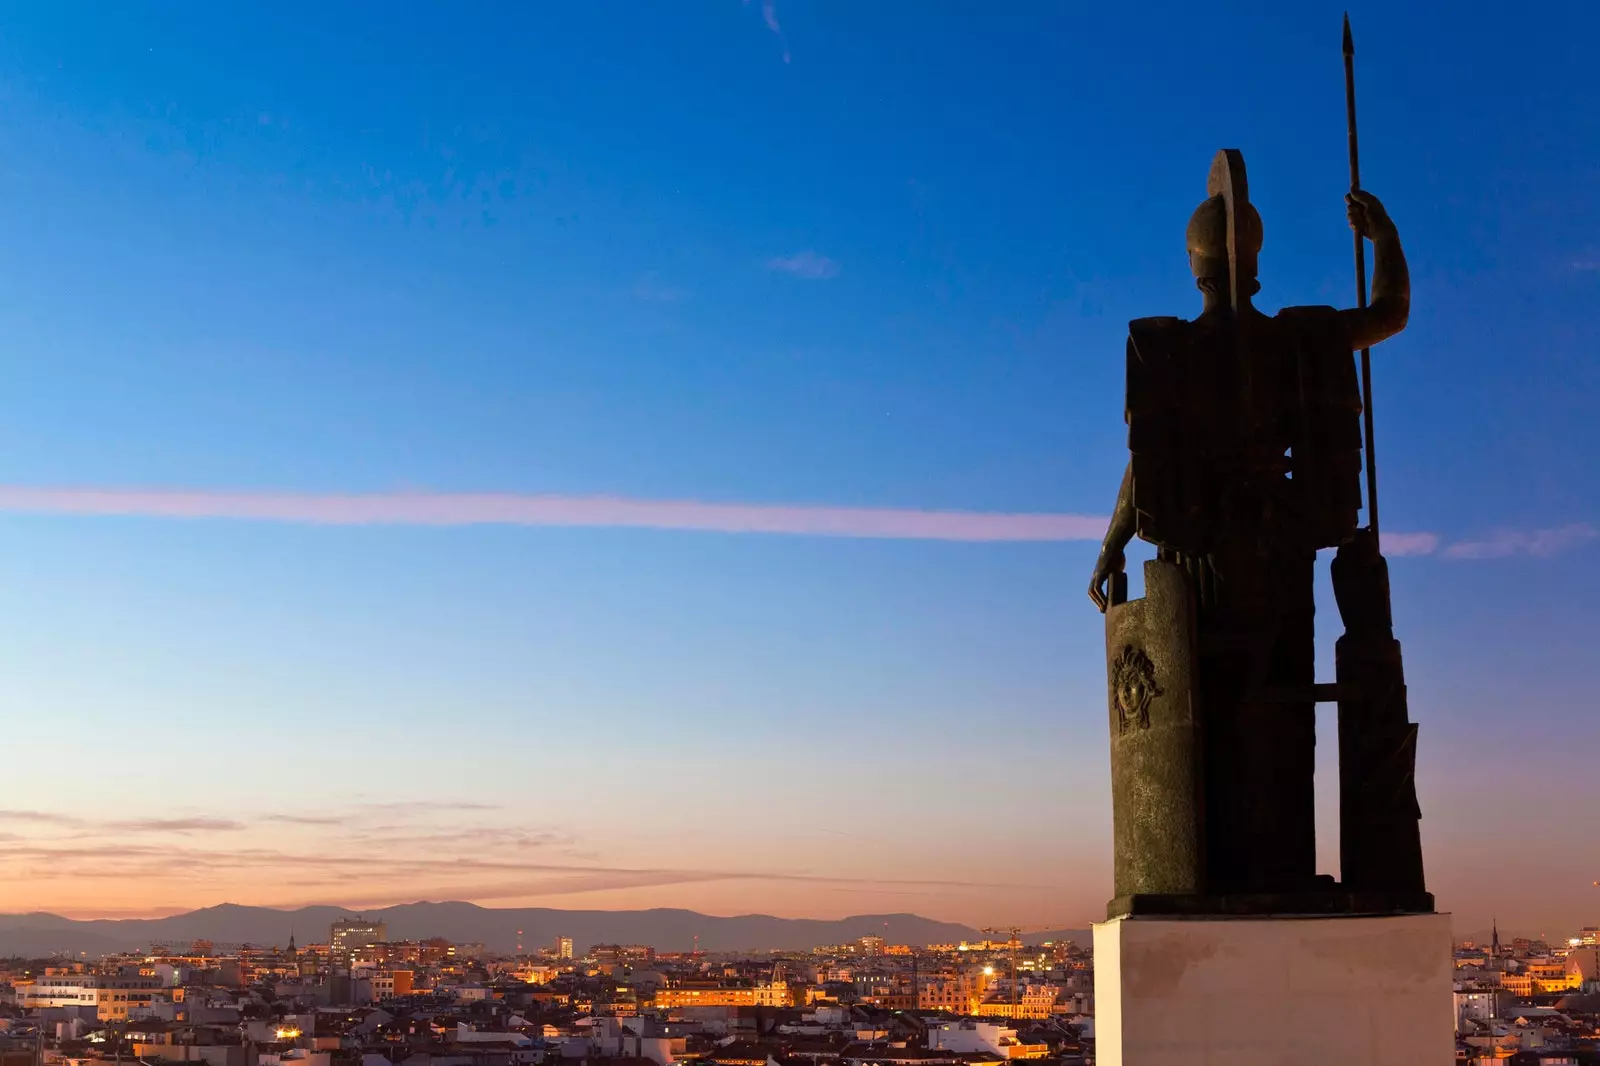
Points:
x=469 y=509
x=1540 y=543
x=465 y=509
x=1396 y=544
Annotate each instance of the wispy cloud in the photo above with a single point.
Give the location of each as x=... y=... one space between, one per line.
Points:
x=806 y=264
x=359 y=814
x=465 y=509
x=337 y=872
x=176 y=825
x=769 y=15
x=1541 y=543
x=470 y=509
x=461 y=850
x=486 y=836
x=39 y=817
x=1396 y=544
x=427 y=806
x=185 y=824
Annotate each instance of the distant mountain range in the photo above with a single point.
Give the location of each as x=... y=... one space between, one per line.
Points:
x=42 y=934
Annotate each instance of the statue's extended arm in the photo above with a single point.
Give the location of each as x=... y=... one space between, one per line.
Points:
x=1121 y=531
x=1391 y=281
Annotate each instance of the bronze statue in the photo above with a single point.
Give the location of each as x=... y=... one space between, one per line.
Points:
x=1356 y=328
x=1245 y=437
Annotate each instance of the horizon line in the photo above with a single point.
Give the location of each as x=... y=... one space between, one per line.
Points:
x=158 y=914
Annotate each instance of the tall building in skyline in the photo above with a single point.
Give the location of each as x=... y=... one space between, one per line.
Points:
x=347 y=935
x=563 y=947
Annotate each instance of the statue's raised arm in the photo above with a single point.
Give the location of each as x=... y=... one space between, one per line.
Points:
x=1391 y=280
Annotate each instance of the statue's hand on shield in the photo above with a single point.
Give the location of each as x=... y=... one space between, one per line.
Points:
x=1111 y=562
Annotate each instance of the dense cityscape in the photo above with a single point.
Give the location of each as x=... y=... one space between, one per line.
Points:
x=359 y=998
x=584 y=523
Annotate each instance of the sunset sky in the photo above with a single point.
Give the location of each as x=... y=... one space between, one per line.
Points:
x=623 y=454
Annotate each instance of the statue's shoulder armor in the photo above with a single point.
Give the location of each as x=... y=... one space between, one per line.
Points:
x=1320 y=405
x=1156 y=330
x=1319 y=320
x=1154 y=344
x=1164 y=425
x=1306 y=312
x=1157 y=322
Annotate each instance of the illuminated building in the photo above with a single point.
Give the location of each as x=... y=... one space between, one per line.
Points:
x=891 y=992
x=112 y=997
x=563 y=947
x=536 y=975
x=1518 y=984
x=348 y=934
x=393 y=983
x=622 y=954
x=871 y=945
x=957 y=993
x=709 y=995
x=1036 y=1002
x=1550 y=977
x=388 y=952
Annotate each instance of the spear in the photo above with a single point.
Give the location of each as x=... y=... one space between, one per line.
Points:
x=1361 y=278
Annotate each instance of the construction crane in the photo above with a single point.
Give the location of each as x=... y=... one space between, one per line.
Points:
x=1014 y=942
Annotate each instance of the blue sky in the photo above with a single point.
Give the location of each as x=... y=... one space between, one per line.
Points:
x=881 y=256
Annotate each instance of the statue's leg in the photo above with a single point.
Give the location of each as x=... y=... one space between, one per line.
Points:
x=1380 y=848
x=1257 y=664
x=1286 y=720
x=1225 y=742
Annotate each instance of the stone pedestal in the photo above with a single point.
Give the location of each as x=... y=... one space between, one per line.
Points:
x=1281 y=991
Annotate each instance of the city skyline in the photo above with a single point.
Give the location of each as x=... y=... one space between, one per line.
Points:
x=614 y=459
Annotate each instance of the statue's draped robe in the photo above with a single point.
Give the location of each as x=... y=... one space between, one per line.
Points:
x=1245 y=462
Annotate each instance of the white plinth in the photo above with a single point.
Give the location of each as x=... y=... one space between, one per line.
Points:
x=1274 y=991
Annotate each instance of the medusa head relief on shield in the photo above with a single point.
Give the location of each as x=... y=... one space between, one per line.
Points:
x=1133 y=687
